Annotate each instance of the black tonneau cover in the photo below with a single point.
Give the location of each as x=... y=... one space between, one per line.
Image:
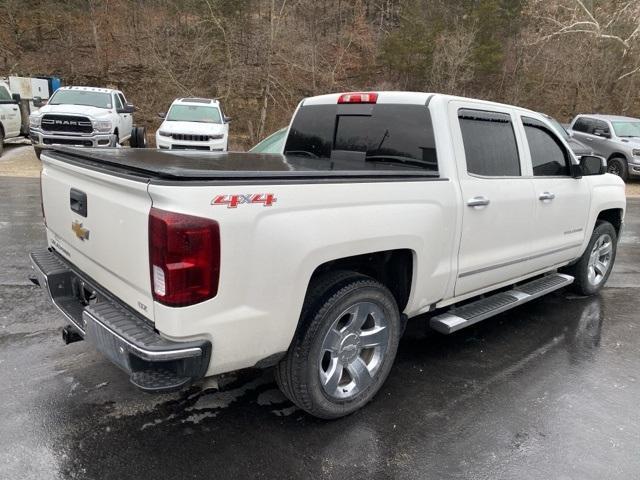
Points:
x=196 y=165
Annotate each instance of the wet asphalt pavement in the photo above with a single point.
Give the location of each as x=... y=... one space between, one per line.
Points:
x=547 y=391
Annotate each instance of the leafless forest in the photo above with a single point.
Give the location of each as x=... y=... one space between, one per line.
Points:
x=262 y=56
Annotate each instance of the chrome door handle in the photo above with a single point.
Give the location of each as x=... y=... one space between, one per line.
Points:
x=480 y=201
x=547 y=196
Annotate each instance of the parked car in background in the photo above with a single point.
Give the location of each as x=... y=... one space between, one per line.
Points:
x=85 y=117
x=615 y=138
x=274 y=143
x=384 y=206
x=576 y=146
x=194 y=124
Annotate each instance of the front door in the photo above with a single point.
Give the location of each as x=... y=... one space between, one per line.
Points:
x=561 y=202
x=497 y=198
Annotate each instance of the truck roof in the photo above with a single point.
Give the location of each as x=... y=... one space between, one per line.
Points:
x=611 y=118
x=402 y=97
x=90 y=89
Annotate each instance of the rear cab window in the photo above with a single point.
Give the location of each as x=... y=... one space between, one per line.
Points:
x=389 y=136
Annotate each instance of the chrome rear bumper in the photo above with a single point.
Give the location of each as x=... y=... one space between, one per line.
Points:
x=155 y=364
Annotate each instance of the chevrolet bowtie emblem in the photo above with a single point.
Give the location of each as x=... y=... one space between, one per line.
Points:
x=81 y=233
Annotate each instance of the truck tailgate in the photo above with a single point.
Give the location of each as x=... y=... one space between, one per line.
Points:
x=109 y=241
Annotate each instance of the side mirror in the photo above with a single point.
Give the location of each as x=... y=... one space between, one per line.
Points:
x=227 y=119
x=593 y=165
x=37 y=102
x=162 y=115
x=600 y=132
x=16 y=97
x=128 y=108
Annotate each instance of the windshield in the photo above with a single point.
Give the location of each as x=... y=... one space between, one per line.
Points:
x=272 y=144
x=558 y=127
x=626 y=129
x=81 y=97
x=194 y=113
x=399 y=135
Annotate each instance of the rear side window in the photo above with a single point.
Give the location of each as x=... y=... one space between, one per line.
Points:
x=489 y=143
x=584 y=125
x=548 y=156
x=401 y=135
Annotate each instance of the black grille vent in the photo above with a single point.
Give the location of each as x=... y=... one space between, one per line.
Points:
x=66 y=123
x=190 y=138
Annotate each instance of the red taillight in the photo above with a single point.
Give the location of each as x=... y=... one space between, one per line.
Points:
x=184 y=258
x=358 y=97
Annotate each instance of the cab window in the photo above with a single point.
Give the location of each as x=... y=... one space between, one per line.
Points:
x=548 y=155
x=490 y=144
x=4 y=94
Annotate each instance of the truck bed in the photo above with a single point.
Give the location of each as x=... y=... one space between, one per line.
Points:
x=172 y=166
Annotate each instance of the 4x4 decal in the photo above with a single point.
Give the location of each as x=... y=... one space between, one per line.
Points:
x=232 y=201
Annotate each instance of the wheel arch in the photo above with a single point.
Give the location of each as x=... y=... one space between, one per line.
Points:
x=617 y=155
x=613 y=216
x=393 y=268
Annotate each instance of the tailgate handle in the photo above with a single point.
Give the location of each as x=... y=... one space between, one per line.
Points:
x=78 y=202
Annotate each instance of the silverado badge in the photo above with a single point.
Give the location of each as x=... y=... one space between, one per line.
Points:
x=81 y=233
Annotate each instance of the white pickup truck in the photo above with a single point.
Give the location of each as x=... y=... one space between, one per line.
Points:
x=384 y=206
x=85 y=117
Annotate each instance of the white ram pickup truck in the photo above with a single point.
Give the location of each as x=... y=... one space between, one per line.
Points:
x=384 y=206
x=85 y=117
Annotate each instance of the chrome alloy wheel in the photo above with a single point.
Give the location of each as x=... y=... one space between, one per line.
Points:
x=600 y=259
x=353 y=350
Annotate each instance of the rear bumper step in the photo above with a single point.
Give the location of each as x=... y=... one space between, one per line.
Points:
x=154 y=363
x=474 y=312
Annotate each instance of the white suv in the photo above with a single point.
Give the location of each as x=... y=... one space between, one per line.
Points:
x=194 y=124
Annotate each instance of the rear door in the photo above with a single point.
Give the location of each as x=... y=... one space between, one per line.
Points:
x=496 y=194
x=99 y=223
x=561 y=202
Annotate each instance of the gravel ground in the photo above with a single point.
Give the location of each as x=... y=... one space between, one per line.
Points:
x=19 y=160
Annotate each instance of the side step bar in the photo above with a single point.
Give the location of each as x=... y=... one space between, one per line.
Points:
x=458 y=318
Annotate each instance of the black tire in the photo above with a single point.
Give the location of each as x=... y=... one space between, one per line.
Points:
x=138 y=138
x=38 y=152
x=116 y=140
x=329 y=298
x=582 y=284
x=1 y=141
x=618 y=166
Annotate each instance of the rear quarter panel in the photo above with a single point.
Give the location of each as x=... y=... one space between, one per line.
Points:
x=268 y=254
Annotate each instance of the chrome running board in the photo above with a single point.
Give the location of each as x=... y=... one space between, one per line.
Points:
x=458 y=318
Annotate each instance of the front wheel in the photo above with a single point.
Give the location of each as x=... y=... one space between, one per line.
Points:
x=618 y=166
x=592 y=271
x=344 y=348
x=1 y=142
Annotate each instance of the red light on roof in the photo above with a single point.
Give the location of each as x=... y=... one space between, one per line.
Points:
x=358 y=97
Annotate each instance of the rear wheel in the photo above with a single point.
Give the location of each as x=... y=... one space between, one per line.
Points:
x=344 y=348
x=592 y=271
x=618 y=166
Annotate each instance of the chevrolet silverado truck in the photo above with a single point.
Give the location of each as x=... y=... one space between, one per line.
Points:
x=384 y=206
x=85 y=117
